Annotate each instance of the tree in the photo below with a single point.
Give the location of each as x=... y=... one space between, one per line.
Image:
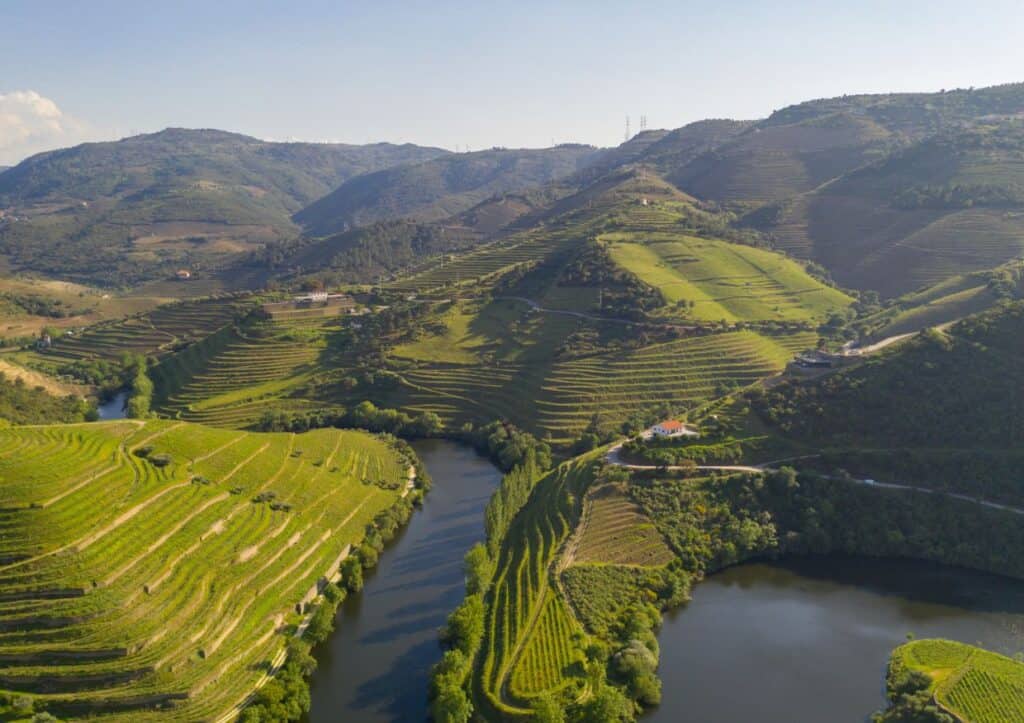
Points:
x=451 y=704
x=547 y=710
x=609 y=705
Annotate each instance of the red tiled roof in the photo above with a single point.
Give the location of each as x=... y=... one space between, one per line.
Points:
x=672 y=424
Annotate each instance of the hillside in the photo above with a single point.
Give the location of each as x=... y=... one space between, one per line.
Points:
x=947 y=205
x=441 y=187
x=974 y=685
x=144 y=206
x=154 y=571
x=801 y=147
x=942 y=410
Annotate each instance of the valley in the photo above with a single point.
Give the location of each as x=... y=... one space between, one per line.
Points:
x=231 y=368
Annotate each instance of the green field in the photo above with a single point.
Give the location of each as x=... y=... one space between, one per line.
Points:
x=154 y=333
x=139 y=586
x=530 y=646
x=233 y=376
x=725 y=281
x=975 y=685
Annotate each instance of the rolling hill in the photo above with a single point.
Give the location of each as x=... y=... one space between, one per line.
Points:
x=141 y=207
x=155 y=571
x=950 y=204
x=439 y=188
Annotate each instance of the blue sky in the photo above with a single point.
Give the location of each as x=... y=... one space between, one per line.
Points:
x=471 y=74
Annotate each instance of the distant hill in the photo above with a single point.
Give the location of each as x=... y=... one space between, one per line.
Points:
x=800 y=147
x=950 y=204
x=441 y=187
x=138 y=208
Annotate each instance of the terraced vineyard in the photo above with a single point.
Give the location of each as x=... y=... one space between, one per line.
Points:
x=235 y=375
x=560 y=397
x=151 y=571
x=974 y=684
x=530 y=644
x=613 y=530
x=153 y=333
x=725 y=280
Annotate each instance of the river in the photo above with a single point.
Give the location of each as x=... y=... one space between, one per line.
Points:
x=113 y=408
x=375 y=666
x=808 y=640
x=805 y=640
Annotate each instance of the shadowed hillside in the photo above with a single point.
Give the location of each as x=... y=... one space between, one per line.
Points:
x=141 y=207
x=439 y=188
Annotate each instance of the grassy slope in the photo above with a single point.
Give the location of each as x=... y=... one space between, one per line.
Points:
x=726 y=281
x=976 y=685
x=168 y=586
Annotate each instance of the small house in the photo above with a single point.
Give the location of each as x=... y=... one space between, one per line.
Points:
x=672 y=428
x=183 y=274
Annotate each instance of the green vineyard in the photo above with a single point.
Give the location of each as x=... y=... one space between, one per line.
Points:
x=559 y=398
x=153 y=570
x=613 y=530
x=974 y=684
x=154 y=333
x=233 y=376
x=532 y=645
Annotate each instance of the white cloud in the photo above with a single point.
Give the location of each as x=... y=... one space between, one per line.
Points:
x=30 y=123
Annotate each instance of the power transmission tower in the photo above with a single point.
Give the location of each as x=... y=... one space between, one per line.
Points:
x=627 y=128
x=643 y=122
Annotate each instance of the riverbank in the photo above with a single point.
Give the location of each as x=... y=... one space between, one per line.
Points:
x=375 y=666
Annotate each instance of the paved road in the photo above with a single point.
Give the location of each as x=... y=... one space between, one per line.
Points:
x=614 y=456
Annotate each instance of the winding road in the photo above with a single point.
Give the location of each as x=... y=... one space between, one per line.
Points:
x=614 y=456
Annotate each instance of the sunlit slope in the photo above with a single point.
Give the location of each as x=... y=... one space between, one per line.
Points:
x=724 y=281
x=162 y=586
x=502 y=361
x=975 y=685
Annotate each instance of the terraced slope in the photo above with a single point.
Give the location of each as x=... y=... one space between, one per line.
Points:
x=232 y=377
x=530 y=642
x=975 y=685
x=559 y=397
x=162 y=588
x=946 y=206
x=154 y=333
x=725 y=280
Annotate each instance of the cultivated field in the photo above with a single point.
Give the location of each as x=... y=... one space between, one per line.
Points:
x=530 y=644
x=614 y=530
x=974 y=684
x=153 y=334
x=151 y=571
x=234 y=375
x=725 y=281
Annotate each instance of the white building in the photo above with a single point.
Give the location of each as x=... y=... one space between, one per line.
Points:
x=672 y=428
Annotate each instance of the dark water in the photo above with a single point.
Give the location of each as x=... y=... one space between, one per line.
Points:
x=375 y=665
x=808 y=640
x=113 y=408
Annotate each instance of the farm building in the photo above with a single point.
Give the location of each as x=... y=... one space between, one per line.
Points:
x=672 y=428
x=183 y=274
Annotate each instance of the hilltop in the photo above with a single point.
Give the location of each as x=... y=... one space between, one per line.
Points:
x=441 y=187
x=156 y=570
x=139 y=208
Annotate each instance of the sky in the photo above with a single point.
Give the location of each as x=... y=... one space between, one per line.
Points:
x=469 y=74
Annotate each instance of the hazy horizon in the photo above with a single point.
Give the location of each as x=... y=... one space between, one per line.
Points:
x=459 y=75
